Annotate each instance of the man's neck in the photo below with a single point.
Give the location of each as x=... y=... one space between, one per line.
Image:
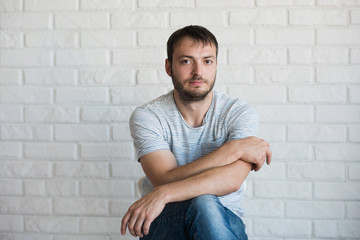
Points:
x=193 y=112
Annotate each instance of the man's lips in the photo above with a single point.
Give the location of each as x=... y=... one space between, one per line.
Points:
x=196 y=83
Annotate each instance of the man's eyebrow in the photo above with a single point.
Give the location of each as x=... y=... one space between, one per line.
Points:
x=187 y=56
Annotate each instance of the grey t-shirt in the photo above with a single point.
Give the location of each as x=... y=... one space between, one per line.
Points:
x=159 y=125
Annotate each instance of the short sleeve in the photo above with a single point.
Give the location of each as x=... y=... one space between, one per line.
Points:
x=243 y=121
x=147 y=132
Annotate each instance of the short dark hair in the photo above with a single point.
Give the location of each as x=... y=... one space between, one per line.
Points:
x=196 y=33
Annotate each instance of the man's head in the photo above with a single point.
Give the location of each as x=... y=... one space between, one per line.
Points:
x=198 y=34
x=192 y=62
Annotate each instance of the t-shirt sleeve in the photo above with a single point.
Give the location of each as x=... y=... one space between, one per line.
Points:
x=146 y=132
x=243 y=121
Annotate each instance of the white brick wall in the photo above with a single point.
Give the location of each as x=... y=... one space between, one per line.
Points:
x=72 y=71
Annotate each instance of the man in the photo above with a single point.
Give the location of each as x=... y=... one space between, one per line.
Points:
x=196 y=147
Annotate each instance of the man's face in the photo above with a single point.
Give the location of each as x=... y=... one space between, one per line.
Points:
x=193 y=69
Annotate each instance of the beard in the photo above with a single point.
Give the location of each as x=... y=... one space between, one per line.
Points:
x=194 y=95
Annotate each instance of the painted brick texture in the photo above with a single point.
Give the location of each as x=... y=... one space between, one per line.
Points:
x=72 y=71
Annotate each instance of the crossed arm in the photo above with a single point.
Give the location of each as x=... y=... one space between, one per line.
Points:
x=234 y=159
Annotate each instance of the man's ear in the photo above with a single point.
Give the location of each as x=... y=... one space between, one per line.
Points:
x=168 y=67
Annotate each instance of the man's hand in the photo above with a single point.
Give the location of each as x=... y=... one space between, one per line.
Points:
x=142 y=213
x=253 y=150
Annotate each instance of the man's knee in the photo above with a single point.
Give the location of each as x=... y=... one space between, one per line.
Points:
x=205 y=206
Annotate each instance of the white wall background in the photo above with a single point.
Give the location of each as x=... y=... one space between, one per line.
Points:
x=72 y=71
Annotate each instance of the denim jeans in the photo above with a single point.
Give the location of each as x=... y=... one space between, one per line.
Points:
x=203 y=217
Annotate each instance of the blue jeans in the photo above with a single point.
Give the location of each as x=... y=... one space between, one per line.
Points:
x=203 y=217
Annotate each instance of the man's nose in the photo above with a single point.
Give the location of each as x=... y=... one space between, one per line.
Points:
x=197 y=70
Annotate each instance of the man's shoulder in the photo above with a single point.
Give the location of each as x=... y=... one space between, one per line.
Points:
x=227 y=102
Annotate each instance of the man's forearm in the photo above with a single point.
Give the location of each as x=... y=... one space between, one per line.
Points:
x=217 y=181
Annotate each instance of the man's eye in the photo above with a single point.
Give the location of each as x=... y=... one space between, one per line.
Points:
x=185 y=61
x=208 y=61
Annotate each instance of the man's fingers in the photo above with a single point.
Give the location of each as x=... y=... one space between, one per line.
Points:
x=268 y=156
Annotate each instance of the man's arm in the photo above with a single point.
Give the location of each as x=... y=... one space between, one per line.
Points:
x=161 y=166
x=203 y=176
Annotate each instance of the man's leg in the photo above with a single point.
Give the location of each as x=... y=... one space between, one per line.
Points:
x=207 y=218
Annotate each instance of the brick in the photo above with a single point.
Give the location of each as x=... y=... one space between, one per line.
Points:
x=217 y=4
x=14 y=132
x=153 y=38
x=24 y=169
x=354 y=133
x=317 y=94
x=277 y=189
x=338 y=2
x=121 y=132
x=284 y=75
x=10 y=5
x=82 y=95
x=129 y=95
x=120 y=207
x=139 y=20
x=81 y=207
x=51 y=224
x=81 y=57
x=9 y=77
x=338 y=114
x=205 y=18
x=111 y=38
x=25 y=205
x=272 y=171
x=318 y=17
x=318 y=55
x=283 y=227
x=272 y=132
x=257 y=56
x=50 y=187
x=139 y=56
x=10 y=150
x=54 y=5
x=107 y=188
x=284 y=37
x=355 y=55
x=354 y=94
x=11 y=187
x=353 y=210
x=97 y=151
x=317 y=133
x=80 y=170
x=234 y=36
x=25 y=58
x=10 y=40
x=45 y=77
x=81 y=133
x=26 y=21
x=10 y=113
x=338 y=36
x=355 y=17
x=314 y=209
x=25 y=95
x=285 y=114
x=260 y=94
x=82 y=20
x=79 y=237
x=108 y=5
x=258 y=17
x=106 y=114
x=51 y=114
x=277 y=3
x=354 y=172
x=347 y=229
x=337 y=190
x=312 y=171
x=51 y=39
x=234 y=75
x=100 y=225
x=338 y=75
x=166 y=4
x=106 y=77
x=11 y=223
x=344 y=152
x=22 y=236
x=264 y=208
x=127 y=170
x=152 y=77
x=50 y=151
